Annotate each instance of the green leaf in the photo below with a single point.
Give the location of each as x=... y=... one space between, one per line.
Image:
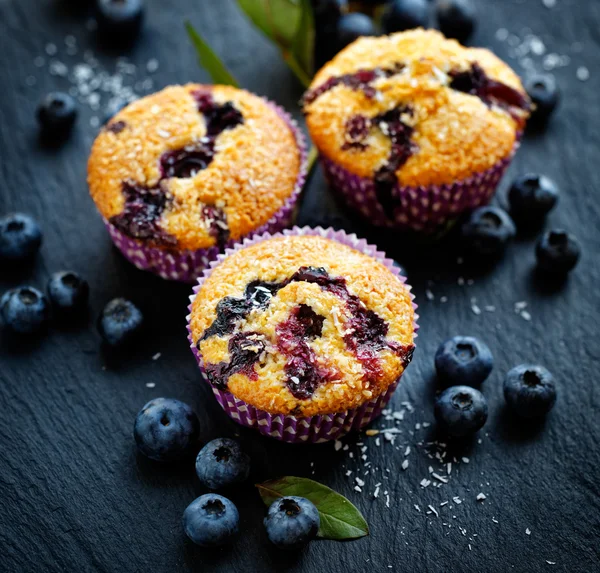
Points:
x=339 y=517
x=277 y=19
x=304 y=40
x=209 y=60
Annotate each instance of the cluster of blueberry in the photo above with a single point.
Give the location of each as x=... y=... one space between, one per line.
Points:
x=531 y=197
x=336 y=26
x=461 y=410
x=26 y=310
x=167 y=430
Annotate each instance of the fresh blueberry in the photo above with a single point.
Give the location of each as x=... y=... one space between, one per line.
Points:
x=529 y=390
x=119 y=21
x=456 y=18
x=120 y=322
x=113 y=108
x=292 y=522
x=531 y=198
x=544 y=94
x=488 y=230
x=211 y=520
x=166 y=430
x=405 y=14
x=327 y=14
x=557 y=252
x=463 y=360
x=20 y=237
x=24 y=310
x=68 y=292
x=352 y=26
x=222 y=463
x=460 y=410
x=56 y=114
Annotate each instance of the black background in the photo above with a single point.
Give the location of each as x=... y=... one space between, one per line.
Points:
x=75 y=496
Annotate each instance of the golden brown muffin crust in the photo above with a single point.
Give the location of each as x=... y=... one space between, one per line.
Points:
x=456 y=134
x=276 y=260
x=252 y=174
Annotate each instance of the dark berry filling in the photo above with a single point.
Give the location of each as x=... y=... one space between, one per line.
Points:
x=301 y=367
x=140 y=217
x=187 y=161
x=357 y=130
x=366 y=331
x=476 y=82
x=360 y=80
x=400 y=133
x=231 y=310
x=116 y=127
x=245 y=349
x=217 y=222
x=144 y=205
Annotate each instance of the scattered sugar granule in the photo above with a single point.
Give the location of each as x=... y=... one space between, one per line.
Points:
x=457 y=500
x=443 y=503
x=525 y=315
x=405 y=464
x=549 y=3
x=407 y=451
x=51 y=49
x=417 y=426
x=426 y=424
x=528 y=531
x=424 y=482
x=550 y=562
x=495 y=520
x=152 y=65
x=357 y=488
x=583 y=74
x=465 y=460
x=519 y=306
x=440 y=478
x=337 y=445
x=460 y=281
x=399 y=415
x=417 y=507
x=359 y=482
x=150 y=384
x=377 y=442
x=481 y=497
x=376 y=492
x=490 y=308
x=156 y=356
x=348 y=473
x=476 y=310
x=444 y=299
x=433 y=510
x=501 y=36
x=430 y=469
x=429 y=295
x=449 y=468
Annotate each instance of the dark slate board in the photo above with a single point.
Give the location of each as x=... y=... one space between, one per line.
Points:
x=74 y=494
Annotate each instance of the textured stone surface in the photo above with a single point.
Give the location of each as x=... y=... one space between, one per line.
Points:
x=76 y=497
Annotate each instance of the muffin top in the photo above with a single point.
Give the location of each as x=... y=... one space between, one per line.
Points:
x=415 y=108
x=193 y=166
x=303 y=325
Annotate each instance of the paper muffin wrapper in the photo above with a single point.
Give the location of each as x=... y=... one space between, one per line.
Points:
x=287 y=428
x=186 y=266
x=426 y=209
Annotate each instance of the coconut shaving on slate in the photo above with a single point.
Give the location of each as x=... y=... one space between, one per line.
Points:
x=91 y=83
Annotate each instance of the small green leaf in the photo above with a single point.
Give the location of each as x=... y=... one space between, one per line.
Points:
x=277 y=19
x=304 y=40
x=311 y=159
x=340 y=519
x=209 y=60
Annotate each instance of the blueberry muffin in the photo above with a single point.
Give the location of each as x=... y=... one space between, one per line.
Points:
x=303 y=326
x=413 y=128
x=181 y=173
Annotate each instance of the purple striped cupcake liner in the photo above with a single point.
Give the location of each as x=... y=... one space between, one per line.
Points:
x=186 y=266
x=292 y=429
x=425 y=209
